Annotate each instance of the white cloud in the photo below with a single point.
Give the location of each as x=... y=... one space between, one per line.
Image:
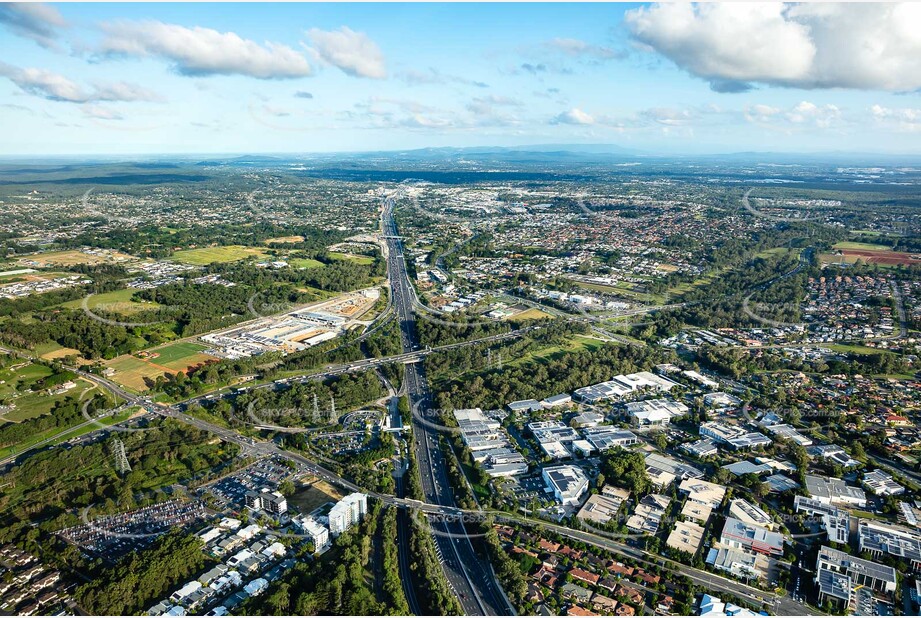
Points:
x=573 y=116
x=809 y=113
x=353 y=52
x=203 y=51
x=804 y=114
x=56 y=87
x=578 y=48
x=760 y=113
x=101 y=113
x=906 y=119
x=434 y=76
x=734 y=45
x=39 y=22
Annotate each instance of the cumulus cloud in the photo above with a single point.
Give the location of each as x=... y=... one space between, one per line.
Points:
x=352 y=52
x=203 y=51
x=803 y=114
x=56 y=87
x=905 y=119
x=735 y=45
x=301 y=94
x=574 y=116
x=39 y=22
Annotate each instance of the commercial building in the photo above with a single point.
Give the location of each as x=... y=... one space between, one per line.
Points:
x=748 y=513
x=703 y=492
x=563 y=399
x=654 y=412
x=567 y=483
x=733 y=436
x=663 y=470
x=835 y=521
x=348 y=511
x=882 y=484
x=601 y=507
x=840 y=575
x=623 y=385
x=489 y=444
x=686 y=536
x=705 y=447
x=741 y=468
x=882 y=539
x=648 y=514
x=789 y=433
x=834 y=453
x=738 y=534
x=478 y=431
x=780 y=483
x=525 y=406
x=502 y=462
x=554 y=437
x=606 y=437
x=739 y=562
x=713 y=607
x=834 y=491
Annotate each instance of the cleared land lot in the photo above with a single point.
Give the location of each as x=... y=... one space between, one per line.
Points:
x=285 y=239
x=209 y=255
x=317 y=493
x=851 y=252
x=529 y=314
x=73 y=257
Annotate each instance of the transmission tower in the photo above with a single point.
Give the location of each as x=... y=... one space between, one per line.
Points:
x=316 y=409
x=488 y=358
x=499 y=362
x=333 y=419
x=121 y=460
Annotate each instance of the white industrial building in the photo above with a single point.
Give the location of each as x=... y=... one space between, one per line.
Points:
x=569 y=484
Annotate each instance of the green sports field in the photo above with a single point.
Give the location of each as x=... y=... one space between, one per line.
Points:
x=209 y=255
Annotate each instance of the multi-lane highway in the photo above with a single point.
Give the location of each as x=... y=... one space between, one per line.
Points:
x=468 y=574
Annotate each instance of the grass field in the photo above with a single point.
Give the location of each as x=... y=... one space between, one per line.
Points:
x=359 y=259
x=118 y=301
x=575 y=344
x=305 y=263
x=16 y=390
x=132 y=371
x=209 y=255
x=854 y=349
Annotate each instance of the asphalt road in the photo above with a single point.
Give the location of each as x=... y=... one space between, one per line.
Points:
x=468 y=574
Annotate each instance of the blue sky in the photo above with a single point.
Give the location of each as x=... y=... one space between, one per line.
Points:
x=221 y=78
